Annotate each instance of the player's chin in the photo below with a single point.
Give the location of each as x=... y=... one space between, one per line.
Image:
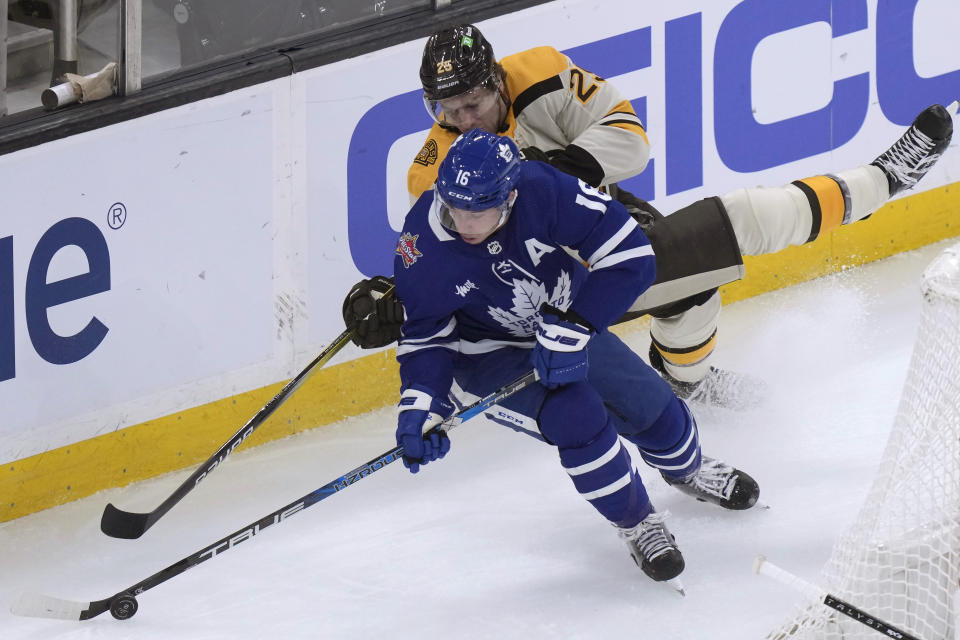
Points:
x=472 y=239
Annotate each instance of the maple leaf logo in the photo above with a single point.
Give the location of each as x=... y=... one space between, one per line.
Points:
x=522 y=318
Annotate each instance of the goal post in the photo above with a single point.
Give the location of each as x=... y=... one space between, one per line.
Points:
x=900 y=560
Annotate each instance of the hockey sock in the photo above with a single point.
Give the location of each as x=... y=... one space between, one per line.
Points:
x=770 y=219
x=685 y=342
x=603 y=474
x=842 y=198
x=672 y=444
x=574 y=419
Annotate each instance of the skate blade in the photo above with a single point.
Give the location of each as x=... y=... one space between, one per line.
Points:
x=677 y=586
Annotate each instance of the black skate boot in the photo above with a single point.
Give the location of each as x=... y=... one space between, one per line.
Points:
x=720 y=484
x=917 y=150
x=719 y=388
x=653 y=548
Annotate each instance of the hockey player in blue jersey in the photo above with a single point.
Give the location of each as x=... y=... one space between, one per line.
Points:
x=489 y=290
x=581 y=124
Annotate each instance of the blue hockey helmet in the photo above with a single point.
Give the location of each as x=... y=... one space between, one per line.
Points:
x=479 y=171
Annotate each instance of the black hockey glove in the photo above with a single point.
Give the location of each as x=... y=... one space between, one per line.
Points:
x=375 y=314
x=642 y=211
x=533 y=153
x=572 y=160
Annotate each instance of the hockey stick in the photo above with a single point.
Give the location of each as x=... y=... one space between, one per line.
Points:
x=118 y=523
x=124 y=604
x=762 y=566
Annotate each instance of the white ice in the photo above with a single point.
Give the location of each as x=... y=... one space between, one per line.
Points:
x=493 y=542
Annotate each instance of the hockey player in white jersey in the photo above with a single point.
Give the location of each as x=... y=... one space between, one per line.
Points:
x=489 y=291
x=564 y=115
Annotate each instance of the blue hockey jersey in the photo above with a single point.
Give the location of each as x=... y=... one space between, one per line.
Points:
x=470 y=299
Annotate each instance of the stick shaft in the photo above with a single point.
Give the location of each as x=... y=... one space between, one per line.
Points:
x=764 y=567
x=125 y=524
x=49 y=607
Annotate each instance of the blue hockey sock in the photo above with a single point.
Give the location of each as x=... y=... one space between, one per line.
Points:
x=603 y=473
x=672 y=444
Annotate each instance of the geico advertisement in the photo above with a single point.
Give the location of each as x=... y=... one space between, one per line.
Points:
x=152 y=265
x=133 y=260
x=733 y=94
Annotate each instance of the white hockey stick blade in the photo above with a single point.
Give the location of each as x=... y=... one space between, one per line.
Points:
x=34 y=605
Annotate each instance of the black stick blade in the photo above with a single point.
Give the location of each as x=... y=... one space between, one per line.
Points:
x=117 y=523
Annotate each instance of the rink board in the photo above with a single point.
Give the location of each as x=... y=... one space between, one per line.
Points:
x=370 y=382
x=222 y=256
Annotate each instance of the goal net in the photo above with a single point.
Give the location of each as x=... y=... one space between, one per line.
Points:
x=900 y=560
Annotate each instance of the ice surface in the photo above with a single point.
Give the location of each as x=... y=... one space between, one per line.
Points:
x=493 y=542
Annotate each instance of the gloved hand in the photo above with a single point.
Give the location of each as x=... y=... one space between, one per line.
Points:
x=420 y=411
x=572 y=161
x=375 y=315
x=534 y=153
x=640 y=210
x=560 y=355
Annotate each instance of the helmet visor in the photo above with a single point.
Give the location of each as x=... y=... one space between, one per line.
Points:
x=464 y=110
x=472 y=223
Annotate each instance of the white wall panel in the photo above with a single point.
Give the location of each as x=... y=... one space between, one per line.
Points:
x=250 y=215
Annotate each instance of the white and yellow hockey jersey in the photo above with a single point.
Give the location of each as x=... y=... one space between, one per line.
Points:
x=556 y=106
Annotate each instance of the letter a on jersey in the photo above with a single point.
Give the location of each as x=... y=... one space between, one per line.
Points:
x=537 y=249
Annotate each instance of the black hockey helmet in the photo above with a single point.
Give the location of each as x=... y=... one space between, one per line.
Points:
x=455 y=60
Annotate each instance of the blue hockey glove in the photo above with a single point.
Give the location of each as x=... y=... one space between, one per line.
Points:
x=560 y=355
x=420 y=412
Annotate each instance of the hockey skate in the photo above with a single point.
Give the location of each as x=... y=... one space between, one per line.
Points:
x=653 y=548
x=719 y=388
x=917 y=150
x=720 y=484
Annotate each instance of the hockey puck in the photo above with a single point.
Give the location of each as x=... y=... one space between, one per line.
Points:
x=123 y=606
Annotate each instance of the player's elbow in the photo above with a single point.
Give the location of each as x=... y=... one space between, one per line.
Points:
x=640 y=154
x=629 y=160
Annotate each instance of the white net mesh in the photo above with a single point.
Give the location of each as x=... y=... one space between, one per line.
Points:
x=900 y=561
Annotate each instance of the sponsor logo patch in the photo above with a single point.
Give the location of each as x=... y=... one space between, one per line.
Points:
x=407 y=249
x=465 y=288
